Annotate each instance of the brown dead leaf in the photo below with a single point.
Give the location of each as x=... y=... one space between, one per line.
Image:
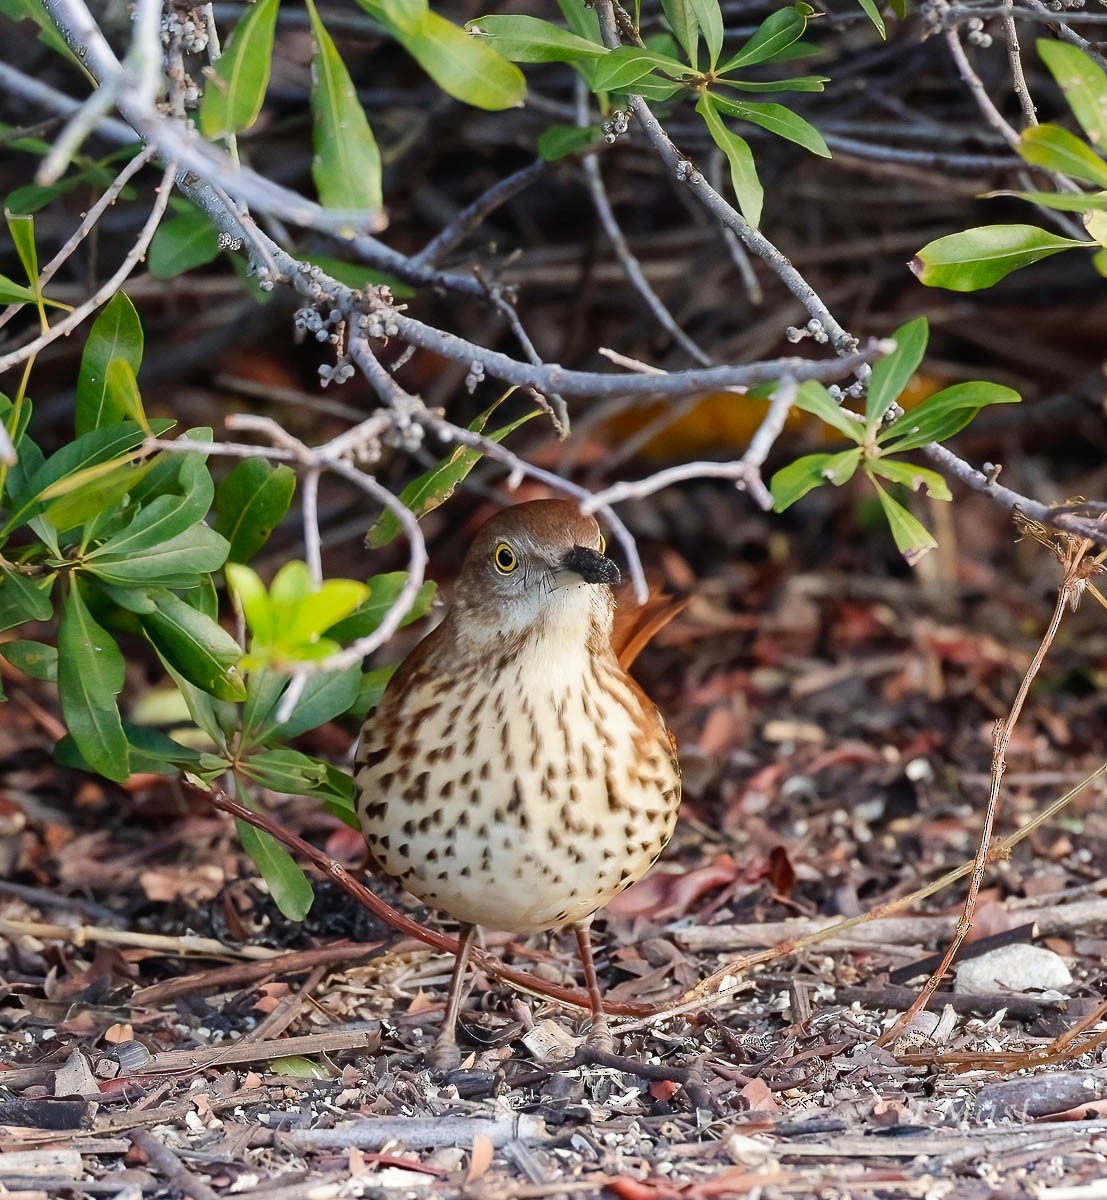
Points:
x=480 y=1157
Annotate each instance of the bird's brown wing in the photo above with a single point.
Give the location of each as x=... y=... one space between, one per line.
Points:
x=636 y=624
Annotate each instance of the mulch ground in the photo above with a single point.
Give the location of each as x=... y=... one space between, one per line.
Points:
x=163 y=1031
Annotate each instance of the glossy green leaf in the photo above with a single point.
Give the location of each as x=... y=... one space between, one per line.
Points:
x=346 y=164
x=532 y=40
x=892 y=373
x=465 y=67
x=776 y=119
x=1056 y=149
x=21 y=226
x=248 y=592
x=743 y=172
x=912 y=537
x=24 y=597
x=185 y=241
x=942 y=415
x=775 y=34
x=907 y=474
x=581 y=19
x=34 y=659
x=235 y=89
x=1063 y=201
x=250 y=503
x=150 y=751
x=793 y=482
x=93 y=492
x=90 y=677
x=1095 y=222
x=681 y=15
x=434 y=487
x=873 y=13
x=200 y=648
x=176 y=563
x=384 y=591
x=709 y=17
x=14 y=293
x=292 y=773
x=116 y=333
x=813 y=398
x=371 y=690
x=288 y=885
x=980 y=257
x=88 y=456
x=799 y=83
x=1084 y=84
x=326 y=695
x=624 y=67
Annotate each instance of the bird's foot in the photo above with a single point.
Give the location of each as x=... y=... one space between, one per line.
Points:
x=599 y=1037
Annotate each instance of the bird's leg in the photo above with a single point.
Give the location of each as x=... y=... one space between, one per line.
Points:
x=600 y=1036
x=445 y=1053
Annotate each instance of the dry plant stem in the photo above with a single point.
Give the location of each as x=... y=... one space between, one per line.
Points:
x=437 y=941
x=1002 y=740
x=720 y=985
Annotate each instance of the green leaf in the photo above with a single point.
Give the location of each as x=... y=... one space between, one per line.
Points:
x=813 y=398
x=34 y=659
x=290 y=772
x=912 y=537
x=116 y=333
x=581 y=19
x=93 y=492
x=183 y=242
x=532 y=40
x=775 y=34
x=465 y=67
x=346 y=164
x=434 y=487
x=709 y=18
x=873 y=13
x=942 y=415
x=1063 y=201
x=90 y=677
x=304 y=615
x=793 y=482
x=681 y=15
x=1084 y=84
x=623 y=68
x=14 y=293
x=801 y=83
x=892 y=373
x=87 y=457
x=1056 y=149
x=250 y=503
x=897 y=471
x=151 y=752
x=248 y=592
x=559 y=141
x=298 y=1067
x=384 y=590
x=21 y=226
x=201 y=649
x=235 y=90
x=24 y=597
x=743 y=173
x=325 y=696
x=980 y=257
x=176 y=563
x=776 y=119
x=287 y=884
x=371 y=690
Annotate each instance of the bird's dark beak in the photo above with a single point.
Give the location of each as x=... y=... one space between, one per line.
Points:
x=588 y=565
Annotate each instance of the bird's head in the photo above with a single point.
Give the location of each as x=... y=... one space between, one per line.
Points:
x=536 y=568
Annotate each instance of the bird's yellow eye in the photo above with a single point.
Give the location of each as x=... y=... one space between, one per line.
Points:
x=603 y=543
x=505 y=558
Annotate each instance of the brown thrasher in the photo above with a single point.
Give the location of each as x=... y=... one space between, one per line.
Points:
x=514 y=775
